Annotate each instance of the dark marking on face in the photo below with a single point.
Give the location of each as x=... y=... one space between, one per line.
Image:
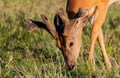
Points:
x=79 y=13
x=73 y=15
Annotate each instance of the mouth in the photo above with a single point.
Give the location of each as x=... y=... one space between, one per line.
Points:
x=70 y=66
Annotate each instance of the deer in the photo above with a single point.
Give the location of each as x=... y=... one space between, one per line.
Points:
x=69 y=24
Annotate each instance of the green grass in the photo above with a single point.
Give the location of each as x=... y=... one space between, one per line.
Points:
x=35 y=54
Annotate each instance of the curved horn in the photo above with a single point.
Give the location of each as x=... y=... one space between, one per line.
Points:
x=62 y=13
x=49 y=26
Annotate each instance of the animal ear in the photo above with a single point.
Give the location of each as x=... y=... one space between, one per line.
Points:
x=59 y=24
x=57 y=20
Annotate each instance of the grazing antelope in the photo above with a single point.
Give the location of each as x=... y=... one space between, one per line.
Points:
x=69 y=24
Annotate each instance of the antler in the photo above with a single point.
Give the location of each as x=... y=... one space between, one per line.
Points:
x=48 y=25
x=32 y=25
x=62 y=13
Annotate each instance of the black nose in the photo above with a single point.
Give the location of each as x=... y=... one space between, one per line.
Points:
x=70 y=66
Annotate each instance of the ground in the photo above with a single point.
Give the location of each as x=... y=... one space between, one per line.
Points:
x=35 y=54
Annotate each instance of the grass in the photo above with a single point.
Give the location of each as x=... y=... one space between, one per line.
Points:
x=35 y=54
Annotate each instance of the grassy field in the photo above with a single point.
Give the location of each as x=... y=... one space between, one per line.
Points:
x=35 y=54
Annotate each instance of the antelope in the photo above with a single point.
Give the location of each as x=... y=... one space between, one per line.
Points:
x=69 y=24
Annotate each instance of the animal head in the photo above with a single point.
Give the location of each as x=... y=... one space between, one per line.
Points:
x=67 y=33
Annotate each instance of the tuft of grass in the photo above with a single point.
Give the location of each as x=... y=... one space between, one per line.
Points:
x=35 y=54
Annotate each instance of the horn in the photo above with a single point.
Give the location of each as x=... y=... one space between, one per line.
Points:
x=63 y=15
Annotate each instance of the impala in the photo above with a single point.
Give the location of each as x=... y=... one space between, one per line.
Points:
x=68 y=27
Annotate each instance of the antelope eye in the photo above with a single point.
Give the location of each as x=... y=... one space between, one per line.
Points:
x=77 y=21
x=71 y=44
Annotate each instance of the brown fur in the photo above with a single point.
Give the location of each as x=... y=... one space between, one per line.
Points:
x=69 y=26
